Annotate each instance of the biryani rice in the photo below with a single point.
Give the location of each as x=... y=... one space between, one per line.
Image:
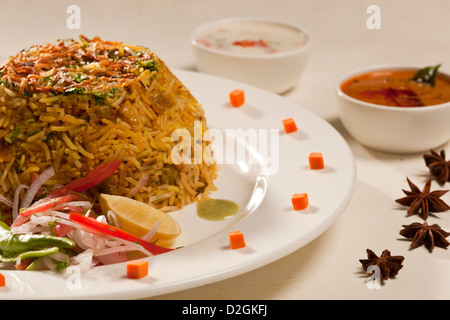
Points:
x=132 y=120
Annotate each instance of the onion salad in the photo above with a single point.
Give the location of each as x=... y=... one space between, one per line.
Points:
x=70 y=213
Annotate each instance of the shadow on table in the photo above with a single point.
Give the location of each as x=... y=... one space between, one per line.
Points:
x=361 y=151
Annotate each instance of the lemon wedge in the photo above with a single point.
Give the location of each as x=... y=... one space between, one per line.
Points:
x=139 y=218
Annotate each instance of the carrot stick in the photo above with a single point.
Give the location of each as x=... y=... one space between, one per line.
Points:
x=2 y=280
x=137 y=269
x=300 y=201
x=316 y=161
x=236 y=239
x=237 y=97
x=289 y=125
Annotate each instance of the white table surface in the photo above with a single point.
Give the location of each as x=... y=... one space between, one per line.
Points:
x=412 y=32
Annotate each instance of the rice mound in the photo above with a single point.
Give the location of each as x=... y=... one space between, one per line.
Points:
x=80 y=103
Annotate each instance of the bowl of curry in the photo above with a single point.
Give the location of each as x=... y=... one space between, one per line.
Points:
x=396 y=109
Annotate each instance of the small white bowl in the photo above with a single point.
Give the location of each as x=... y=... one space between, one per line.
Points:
x=394 y=129
x=277 y=72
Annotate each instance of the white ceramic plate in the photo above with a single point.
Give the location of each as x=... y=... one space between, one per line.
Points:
x=261 y=180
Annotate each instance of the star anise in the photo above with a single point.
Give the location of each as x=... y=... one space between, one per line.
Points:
x=389 y=265
x=439 y=167
x=423 y=202
x=425 y=234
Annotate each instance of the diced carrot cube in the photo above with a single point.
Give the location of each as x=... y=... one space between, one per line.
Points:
x=2 y=280
x=300 y=201
x=137 y=269
x=237 y=97
x=289 y=125
x=316 y=161
x=236 y=239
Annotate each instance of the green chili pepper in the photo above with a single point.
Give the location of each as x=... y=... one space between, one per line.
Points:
x=13 y=246
x=32 y=254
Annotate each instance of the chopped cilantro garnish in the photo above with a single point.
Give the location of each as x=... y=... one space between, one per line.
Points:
x=99 y=96
x=149 y=65
x=50 y=138
x=79 y=77
x=75 y=90
x=15 y=133
x=52 y=225
x=33 y=132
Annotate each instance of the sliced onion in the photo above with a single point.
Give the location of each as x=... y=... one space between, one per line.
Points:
x=49 y=263
x=118 y=101
x=112 y=217
x=85 y=240
x=56 y=214
x=30 y=229
x=83 y=260
x=132 y=245
x=141 y=183
x=152 y=231
x=101 y=218
x=112 y=258
x=77 y=236
x=112 y=243
x=15 y=209
x=59 y=256
x=116 y=249
x=100 y=242
x=35 y=186
x=6 y=201
x=34 y=225
x=82 y=204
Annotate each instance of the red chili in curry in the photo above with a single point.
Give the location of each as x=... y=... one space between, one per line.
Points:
x=395 y=88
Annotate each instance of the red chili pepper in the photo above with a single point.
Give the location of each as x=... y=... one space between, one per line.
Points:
x=50 y=203
x=97 y=175
x=20 y=220
x=101 y=227
x=398 y=97
x=23 y=264
x=250 y=43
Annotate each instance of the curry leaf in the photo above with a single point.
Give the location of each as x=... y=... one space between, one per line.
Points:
x=426 y=75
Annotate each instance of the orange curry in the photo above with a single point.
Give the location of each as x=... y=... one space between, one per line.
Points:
x=395 y=88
